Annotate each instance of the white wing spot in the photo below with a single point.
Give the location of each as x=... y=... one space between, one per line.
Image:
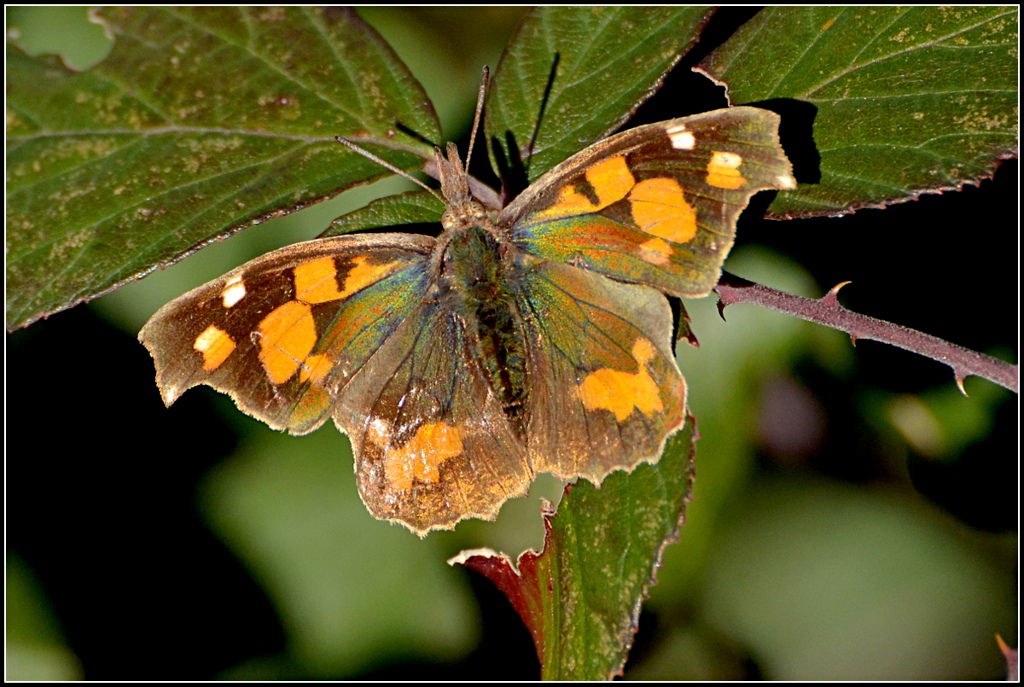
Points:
x=726 y=159
x=233 y=292
x=681 y=138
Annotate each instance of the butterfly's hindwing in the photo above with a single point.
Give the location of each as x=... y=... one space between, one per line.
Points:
x=432 y=441
x=605 y=388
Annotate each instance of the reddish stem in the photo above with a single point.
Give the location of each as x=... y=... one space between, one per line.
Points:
x=827 y=311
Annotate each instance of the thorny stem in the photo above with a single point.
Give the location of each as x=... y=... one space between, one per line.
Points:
x=827 y=311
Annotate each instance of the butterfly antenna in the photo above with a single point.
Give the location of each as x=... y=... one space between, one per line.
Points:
x=387 y=165
x=484 y=78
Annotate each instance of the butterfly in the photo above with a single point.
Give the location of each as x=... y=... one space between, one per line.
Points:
x=537 y=338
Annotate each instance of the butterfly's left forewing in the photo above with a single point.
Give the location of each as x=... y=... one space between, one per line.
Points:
x=655 y=205
x=283 y=334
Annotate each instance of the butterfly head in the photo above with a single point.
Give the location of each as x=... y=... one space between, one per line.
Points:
x=462 y=210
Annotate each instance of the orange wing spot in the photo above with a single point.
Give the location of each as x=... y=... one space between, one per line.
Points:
x=422 y=456
x=610 y=179
x=622 y=392
x=659 y=208
x=316 y=281
x=287 y=335
x=315 y=368
x=215 y=346
x=361 y=275
x=233 y=292
x=656 y=251
x=643 y=351
x=724 y=170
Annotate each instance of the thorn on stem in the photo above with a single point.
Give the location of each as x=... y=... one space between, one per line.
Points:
x=1010 y=654
x=830 y=299
x=1003 y=646
x=721 y=307
x=960 y=381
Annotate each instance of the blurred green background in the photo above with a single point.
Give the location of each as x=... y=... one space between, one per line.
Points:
x=854 y=516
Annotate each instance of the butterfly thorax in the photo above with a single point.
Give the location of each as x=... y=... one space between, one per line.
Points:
x=476 y=271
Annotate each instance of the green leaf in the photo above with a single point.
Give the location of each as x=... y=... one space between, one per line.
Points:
x=908 y=100
x=200 y=122
x=580 y=73
x=580 y=597
x=414 y=207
